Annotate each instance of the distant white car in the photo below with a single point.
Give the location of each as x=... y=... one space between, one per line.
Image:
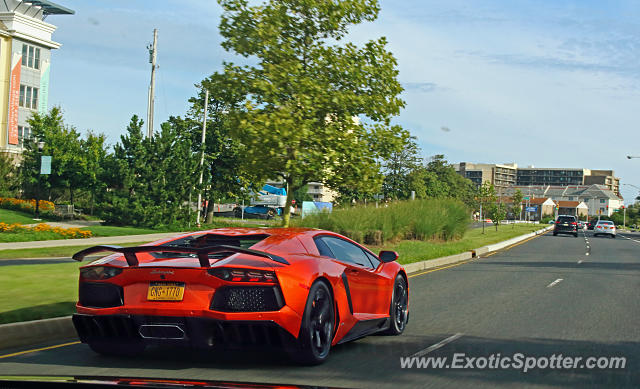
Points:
x=605 y=227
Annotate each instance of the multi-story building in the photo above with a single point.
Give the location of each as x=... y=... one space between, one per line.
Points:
x=604 y=177
x=510 y=174
x=550 y=176
x=25 y=59
x=599 y=199
x=501 y=176
x=320 y=192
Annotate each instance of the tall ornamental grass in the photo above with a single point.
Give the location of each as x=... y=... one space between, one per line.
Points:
x=431 y=219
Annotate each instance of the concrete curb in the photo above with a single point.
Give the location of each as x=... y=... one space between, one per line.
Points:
x=32 y=332
x=433 y=263
x=36 y=331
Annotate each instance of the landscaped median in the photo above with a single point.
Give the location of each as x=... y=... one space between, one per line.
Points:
x=50 y=291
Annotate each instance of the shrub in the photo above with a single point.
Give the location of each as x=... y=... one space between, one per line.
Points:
x=65 y=233
x=440 y=219
x=25 y=205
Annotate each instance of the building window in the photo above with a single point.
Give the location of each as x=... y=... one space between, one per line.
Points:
x=22 y=87
x=602 y=201
x=28 y=97
x=24 y=133
x=31 y=56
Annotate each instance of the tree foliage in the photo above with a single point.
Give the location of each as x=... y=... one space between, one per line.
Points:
x=149 y=180
x=226 y=175
x=10 y=180
x=304 y=97
x=516 y=208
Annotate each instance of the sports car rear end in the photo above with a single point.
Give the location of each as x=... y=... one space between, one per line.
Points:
x=170 y=298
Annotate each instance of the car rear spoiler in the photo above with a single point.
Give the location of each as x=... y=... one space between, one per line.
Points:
x=202 y=252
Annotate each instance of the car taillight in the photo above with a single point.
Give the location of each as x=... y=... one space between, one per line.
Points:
x=243 y=275
x=557 y=221
x=574 y=224
x=99 y=272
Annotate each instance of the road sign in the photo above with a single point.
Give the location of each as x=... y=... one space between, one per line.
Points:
x=45 y=164
x=532 y=209
x=526 y=198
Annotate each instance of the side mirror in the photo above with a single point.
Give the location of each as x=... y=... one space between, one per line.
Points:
x=388 y=256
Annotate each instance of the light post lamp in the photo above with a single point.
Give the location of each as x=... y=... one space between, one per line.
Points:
x=40 y=148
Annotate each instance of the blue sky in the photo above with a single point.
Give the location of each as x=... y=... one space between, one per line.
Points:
x=544 y=83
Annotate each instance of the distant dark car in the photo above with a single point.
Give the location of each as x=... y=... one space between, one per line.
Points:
x=592 y=224
x=566 y=224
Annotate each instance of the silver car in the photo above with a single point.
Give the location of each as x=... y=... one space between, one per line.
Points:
x=605 y=227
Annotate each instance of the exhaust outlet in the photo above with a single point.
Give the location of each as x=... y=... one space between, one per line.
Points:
x=161 y=331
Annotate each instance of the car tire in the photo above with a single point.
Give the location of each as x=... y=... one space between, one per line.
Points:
x=316 y=331
x=399 y=310
x=613 y=236
x=575 y=235
x=555 y=234
x=119 y=349
x=237 y=212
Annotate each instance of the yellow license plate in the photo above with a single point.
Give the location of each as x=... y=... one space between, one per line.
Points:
x=165 y=291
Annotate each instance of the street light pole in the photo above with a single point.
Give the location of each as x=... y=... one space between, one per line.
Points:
x=204 y=132
x=39 y=172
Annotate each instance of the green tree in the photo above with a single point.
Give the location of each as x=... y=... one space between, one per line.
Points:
x=225 y=175
x=149 y=181
x=442 y=181
x=403 y=172
x=485 y=197
x=497 y=212
x=94 y=151
x=63 y=143
x=517 y=203
x=306 y=89
x=9 y=174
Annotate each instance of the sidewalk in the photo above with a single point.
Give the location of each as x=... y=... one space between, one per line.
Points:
x=69 y=224
x=88 y=241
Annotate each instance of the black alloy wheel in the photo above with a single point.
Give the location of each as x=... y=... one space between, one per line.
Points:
x=399 y=313
x=316 y=332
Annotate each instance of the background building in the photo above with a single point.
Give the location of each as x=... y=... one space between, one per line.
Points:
x=599 y=199
x=25 y=59
x=510 y=174
x=479 y=173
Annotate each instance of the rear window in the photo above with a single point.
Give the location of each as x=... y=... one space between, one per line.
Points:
x=206 y=240
x=607 y=222
x=566 y=219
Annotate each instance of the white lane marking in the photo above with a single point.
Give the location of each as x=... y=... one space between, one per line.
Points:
x=437 y=345
x=580 y=261
x=586 y=254
x=554 y=283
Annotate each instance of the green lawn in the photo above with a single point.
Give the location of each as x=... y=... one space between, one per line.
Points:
x=10 y=216
x=414 y=251
x=38 y=291
x=49 y=252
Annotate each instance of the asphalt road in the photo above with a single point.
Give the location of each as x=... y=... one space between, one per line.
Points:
x=541 y=298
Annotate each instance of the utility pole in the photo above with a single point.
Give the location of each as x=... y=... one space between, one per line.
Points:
x=204 y=132
x=152 y=60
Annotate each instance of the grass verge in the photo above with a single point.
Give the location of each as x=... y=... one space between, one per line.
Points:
x=38 y=291
x=414 y=250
